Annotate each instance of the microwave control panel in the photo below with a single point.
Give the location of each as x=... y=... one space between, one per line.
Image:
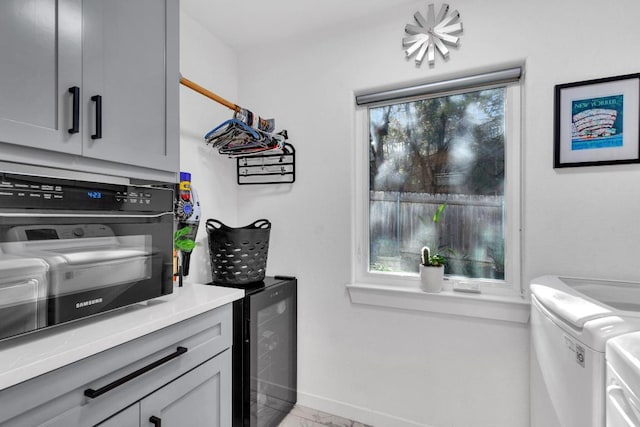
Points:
x=26 y=191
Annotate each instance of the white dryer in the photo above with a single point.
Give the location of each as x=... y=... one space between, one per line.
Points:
x=623 y=381
x=571 y=321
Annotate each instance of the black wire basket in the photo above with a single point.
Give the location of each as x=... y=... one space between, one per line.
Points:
x=238 y=255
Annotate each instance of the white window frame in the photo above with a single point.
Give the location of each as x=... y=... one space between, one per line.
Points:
x=496 y=290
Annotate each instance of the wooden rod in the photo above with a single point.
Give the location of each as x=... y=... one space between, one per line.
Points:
x=202 y=91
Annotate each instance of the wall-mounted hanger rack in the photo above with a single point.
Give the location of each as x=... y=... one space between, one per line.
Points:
x=268 y=168
x=274 y=159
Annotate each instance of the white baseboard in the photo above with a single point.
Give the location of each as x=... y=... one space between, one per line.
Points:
x=353 y=412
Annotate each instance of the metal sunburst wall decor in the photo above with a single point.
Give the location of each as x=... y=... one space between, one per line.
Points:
x=431 y=33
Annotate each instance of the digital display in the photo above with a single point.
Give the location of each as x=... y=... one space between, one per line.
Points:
x=94 y=194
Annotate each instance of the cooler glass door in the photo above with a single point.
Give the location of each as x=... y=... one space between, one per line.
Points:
x=273 y=364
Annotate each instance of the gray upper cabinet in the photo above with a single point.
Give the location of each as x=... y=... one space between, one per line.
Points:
x=116 y=61
x=40 y=46
x=127 y=56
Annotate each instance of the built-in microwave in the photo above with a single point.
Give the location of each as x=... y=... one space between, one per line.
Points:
x=71 y=249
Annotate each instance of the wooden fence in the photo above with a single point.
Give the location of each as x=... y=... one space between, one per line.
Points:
x=470 y=232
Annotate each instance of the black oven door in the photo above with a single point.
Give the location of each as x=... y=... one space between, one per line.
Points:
x=93 y=263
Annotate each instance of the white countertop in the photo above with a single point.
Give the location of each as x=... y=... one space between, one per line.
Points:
x=25 y=357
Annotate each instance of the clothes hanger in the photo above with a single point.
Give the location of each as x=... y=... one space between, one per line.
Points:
x=245 y=133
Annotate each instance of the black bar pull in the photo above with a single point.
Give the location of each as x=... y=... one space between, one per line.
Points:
x=92 y=394
x=75 y=125
x=98 y=100
x=157 y=422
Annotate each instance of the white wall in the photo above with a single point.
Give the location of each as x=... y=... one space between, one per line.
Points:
x=210 y=63
x=390 y=367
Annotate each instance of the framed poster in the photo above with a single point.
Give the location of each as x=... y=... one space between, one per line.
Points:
x=596 y=122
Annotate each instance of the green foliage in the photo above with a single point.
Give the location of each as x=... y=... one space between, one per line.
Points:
x=376 y=266
x=181 y=242
x=416 y=145
x=426 y=255
x=437 y=260
x=436 y=216
x=428 y=258
x=496 y=254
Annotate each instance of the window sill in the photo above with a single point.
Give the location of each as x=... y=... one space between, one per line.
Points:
x=495 y=307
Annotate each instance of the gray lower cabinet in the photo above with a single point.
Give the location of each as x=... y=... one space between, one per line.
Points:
x=200 y=397
x=130 y=417
x=177 y=376
x=95 y=79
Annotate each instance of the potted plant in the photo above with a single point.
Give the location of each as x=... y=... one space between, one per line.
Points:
x=431 y=271
x=432 y=265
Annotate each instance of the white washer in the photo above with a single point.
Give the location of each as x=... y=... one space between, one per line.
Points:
x=623 y=381
x=571 y=321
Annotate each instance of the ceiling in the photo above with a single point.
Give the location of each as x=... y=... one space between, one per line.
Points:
x=245 y=23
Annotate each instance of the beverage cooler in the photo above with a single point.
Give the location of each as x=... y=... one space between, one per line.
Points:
x=265 y=352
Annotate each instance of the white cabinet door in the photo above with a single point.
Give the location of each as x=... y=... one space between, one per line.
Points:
x=40 y=47
x=129 y=59
x=201 y=397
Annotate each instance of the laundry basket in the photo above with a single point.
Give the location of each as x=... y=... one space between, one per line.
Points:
x=238 y=255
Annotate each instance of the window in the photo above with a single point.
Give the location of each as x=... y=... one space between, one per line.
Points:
x=454 y=151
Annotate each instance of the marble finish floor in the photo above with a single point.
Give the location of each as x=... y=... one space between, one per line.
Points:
x=306 y=417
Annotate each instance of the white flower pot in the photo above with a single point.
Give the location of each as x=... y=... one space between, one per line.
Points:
x=431 y=278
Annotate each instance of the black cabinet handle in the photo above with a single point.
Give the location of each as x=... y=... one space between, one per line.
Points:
x=75 y=125
x=98 y=100
x=92 y=394
x=157 y=422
